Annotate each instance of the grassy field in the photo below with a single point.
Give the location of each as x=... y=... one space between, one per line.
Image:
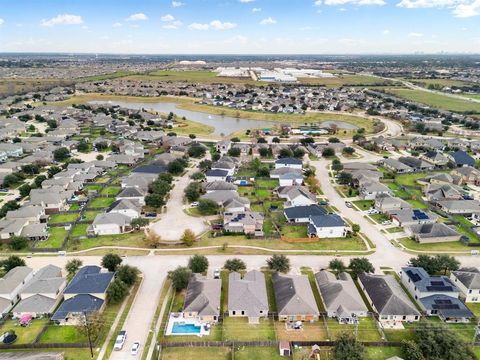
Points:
x=257 y=353
x=62 y=334
x=55 y=238
x=100 y=202
x=26 y=335
x=453 y=245
x=19 y=86
x=62 y=218
x=436 y=100
x=79 y=230
x=239 y=329
x=203 y=77
x=135 y=239
x=439 y=82
x=195 y=353
x=345 y=80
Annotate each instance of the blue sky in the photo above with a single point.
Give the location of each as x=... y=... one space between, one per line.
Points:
x=240 y=26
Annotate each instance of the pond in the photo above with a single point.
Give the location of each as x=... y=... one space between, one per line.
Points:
x=223 y=125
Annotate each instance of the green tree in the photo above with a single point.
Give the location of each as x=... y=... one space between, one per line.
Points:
x=348 y=348
x=279 y=263
x=53 y=170
x=198 y=263
x=61 y=154
x=427 y=262
x=24 y=190
x=128 y=274
x=197 y=151
x=337 y=165
x=180 y=277
x=263 y=152
x=337 y=265
x=111 y=262
x=160 y=187
x=205 y=165
x=447 y=263
x=72 y=266
x=18 y=242
x=39 y=179
x=207 y=207
x=411 y=351
x=235 y=264
x=328 y=152
x=11 y=262
x=154 y=200
x=355 y=228
x=235 y=139
x=167 y=177
x=285 y=153
x=348 y=150
x=99 y=157
x=176 y=167
x=83 y=146
x=263 y=171
x=139 y=223
x=8 y=206
x=359 y=265
x=117 y=291
x=94 y=325
x=345 y=178
x=192 y=191
x=188 y=237
x=234 y=152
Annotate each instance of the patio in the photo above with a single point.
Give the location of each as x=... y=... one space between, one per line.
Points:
x=178 y=326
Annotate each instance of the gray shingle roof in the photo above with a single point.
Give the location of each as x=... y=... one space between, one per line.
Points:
x=294 y=295
x=14 y=278
x=77 y=304
x=203 y=296
x=248 y=294
x=329 y=220
x=299 y=212
x=89 y=280
x=471 y=279
x=35 y=304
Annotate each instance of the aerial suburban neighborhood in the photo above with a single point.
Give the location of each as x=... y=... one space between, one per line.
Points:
x=262 y=204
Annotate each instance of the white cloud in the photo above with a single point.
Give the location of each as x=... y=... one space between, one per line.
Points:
x=355 y=2
x=167 y=18
x=413 y=4
x=176 y=4
x=386 y=32
x=246 y=1
x=63 y=19
x=467 y=10
x=415 y=35
x=218 y=25
x=117 y=24
x=256 y=10
x=173 y=25
x=137 y=17
x=268 y=21
x=198 y=26
x=317 y=3
x=2 y=21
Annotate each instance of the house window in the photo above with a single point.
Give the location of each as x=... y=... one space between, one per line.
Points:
x=469 y=291
x=233 y=312
x=243 y=312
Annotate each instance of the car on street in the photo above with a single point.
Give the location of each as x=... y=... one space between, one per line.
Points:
x=348 y=204
x=386 y=222
x=216 y=274
x=194 y=204
x=3 y=190
x=135 y=348
x=120 y=340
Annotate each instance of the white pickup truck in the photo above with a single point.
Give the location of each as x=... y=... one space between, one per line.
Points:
x=120 y=340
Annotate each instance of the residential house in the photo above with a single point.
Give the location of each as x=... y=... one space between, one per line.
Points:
x=133 y=194
x=276 y=173
x=340 y=297
x=112 y=223
x=247 y=297
x=216 y=175
x=247 y=222
x=12 y=150
x=437 y=295
x=223 y=146
x=130 y=208
x=296 y=196
x=390 y=203
x=85 y=294
x=407 y=217
x=396 y=166
x=439 y=192
x=209 y=187
x=302 y=214
x=467 y=175
x=416 y=164
x=370 y=190
x=461 y=158
x=10 y=285
x=463 y=207
x=202 y=301
x=432 y=233
x=52 y=199
x=468 y=281
x=42 y=293
x=288 y=162
x=327 y=226
x=435 y=158
x=294 y=298
x=388 y=299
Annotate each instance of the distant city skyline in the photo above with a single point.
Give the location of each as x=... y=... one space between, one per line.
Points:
x=241 y=26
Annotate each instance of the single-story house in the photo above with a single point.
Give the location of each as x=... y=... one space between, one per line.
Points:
x=202 y=301
x=111 y=224
x=432 y=233
x=371 y=189
x=407 y=217
x=10 y=286
x=288 y=162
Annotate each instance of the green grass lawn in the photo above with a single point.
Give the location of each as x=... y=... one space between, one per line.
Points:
x=382 y=353
x=74 y=207
x=364 y=204
x=245 y=190
x=110 y=190
x=417 y=204
x=239 y=329
x=104 y=179
x=474 y=308
x=91 y=187
x=269 y=184
x=272 y=305
x=135 y=239
x=379 y=218
x=395 y=229
x=294 y=231
x=90 y=215
x=55 y=239
x=453 y=245
x=100 y=202
x=262 y=193
x=62 y=334
x=26 y=335
x=62 y=218
x=367 y=329
x=436 y=100
x=195 y=353
x=257 y=353
x=79 y=230
x=409 y=179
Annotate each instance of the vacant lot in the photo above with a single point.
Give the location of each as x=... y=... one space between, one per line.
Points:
x=345 y=80
x=435 y=100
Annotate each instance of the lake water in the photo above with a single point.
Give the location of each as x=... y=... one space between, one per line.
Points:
x=223 y=125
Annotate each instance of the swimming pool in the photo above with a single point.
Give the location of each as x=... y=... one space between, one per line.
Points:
x=185 y=329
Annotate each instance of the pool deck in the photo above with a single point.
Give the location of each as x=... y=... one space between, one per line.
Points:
x=177 y=318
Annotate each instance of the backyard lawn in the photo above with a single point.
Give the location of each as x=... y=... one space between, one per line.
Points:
x=101 y=202
x=195 y=353
x=382 y=352
x=90 y=215
x=310 y=332
x=294 y=231
x=268 y=184
x=262 y=193
x=55 y=239
x=417 y=204
x=62 y=218
x=367 y=329
x=110 y=190
x=62 y=334
x=409 y=179
x=26 y=335
x=79 y=230
x=257 y=353
x=92 y=187
x=239 y=329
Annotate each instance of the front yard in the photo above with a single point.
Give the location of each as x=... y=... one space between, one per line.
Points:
x=451 y=245
x=364 y=204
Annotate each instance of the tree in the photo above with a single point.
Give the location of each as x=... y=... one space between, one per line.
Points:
x=447 y=263
x=328 y=152
x=128 y=274
x=235 y=264
x=355 y=228
x=348 y=150
x=337 y=265
x=180 y=277
x=285 y=153
x=263 y=152
x=99 y=157
x=197 y=151
x=61 y=154
x=24 y=190
x=298 y=153
x=175 y=167
x=152 y=239
x=207 y=207
x=264 y=171
x=167 y=177
x=11 y=262
x=279 y=263
x=337 y=165
x=154 y=200
x=333 y=140
x=139 y=223
x=235 y=140
x=276 y=140
x=117 y=291
x=18 y=242
x=307 y=140
x=83 y=146
x=8 y=206
x=205 y=165
x=53 y=170
x=111 y=262
x=234 y=152
x=160 y=187
x=198 y=263
x=39 y=179
x=359 y=265
x=427 y=262
x=348 y=348
x=197 y=176
x=188 y=237
x=411 y=351
x=72 y=266
x=93 y=326
x=192 y=191
x=345 y=178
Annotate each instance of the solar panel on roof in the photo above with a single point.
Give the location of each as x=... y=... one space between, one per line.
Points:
x=436 y=283
x=439 y=288
x=414 y=276
x=445 y=306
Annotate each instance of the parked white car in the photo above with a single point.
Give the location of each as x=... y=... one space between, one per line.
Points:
x=120 y=340
x=387 y=222
x=135 y=348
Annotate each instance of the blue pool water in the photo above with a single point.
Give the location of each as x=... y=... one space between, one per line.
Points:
x=185 y=329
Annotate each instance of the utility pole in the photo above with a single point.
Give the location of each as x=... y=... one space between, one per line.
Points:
x=88 y=334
